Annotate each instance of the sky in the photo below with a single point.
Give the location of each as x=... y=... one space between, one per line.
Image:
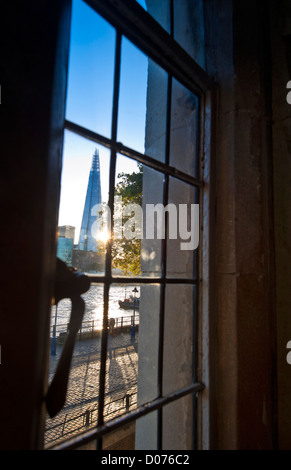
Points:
x=89 y=104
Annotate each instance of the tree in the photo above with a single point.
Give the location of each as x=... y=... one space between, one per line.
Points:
x=126 y=253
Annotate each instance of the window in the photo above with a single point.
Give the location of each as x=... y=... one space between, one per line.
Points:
x=141 y=106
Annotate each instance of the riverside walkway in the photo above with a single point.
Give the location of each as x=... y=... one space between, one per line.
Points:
x=81 y=408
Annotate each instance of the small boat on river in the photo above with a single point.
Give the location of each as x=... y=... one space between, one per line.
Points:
x=130 y=303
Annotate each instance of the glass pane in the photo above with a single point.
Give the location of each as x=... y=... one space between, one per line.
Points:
x=92 y=320
x=178 y=425
x=142 y=103
x=122 y=357
x=156 y=112
x=151 y=250
x=132 y=97
x=161 y=12
x=146 y=432
x=184 y=130
x=189 y=28
x=91 y=70
x=84 y=187
x=148 y=343
x=183 y=230
x=80 y=410
x=121 y=439
x=179 y=326
x=136 y=187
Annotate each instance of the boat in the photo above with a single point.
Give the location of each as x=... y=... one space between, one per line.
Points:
x=129 y=303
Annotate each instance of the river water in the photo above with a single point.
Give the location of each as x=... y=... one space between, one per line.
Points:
x=94 y=305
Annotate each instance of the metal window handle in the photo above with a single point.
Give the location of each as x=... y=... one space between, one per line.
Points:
x=69 y=284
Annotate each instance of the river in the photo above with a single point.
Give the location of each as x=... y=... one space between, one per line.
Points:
x=94 y=305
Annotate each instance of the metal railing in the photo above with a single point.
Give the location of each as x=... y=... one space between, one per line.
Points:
x=72 y=425
x=92 y=328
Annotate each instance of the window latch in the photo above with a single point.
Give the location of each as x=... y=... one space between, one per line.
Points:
x=68 y=284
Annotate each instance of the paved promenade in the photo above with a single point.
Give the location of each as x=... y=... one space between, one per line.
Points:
x=81 y=408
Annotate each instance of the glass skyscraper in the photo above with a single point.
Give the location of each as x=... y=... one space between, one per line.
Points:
x=91 y=218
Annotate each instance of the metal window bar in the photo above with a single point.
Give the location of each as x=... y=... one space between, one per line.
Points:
x=164 y=246
x=108 y=259
x=133 y=154
x=131 y=416
x=164 y=268
x=135 y=23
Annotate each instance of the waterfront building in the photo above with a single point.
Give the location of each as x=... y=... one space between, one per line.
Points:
x=66 y=231
x=65 y=246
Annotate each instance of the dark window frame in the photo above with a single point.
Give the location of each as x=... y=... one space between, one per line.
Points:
x=133 y=22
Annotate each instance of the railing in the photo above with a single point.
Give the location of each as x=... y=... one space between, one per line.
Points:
x=77 y=418
x=92 y=328
x=79 y=422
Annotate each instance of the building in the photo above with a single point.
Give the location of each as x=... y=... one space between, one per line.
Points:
x=89 y=226
x=66 y=231
x=87 y=261
x=65 y=247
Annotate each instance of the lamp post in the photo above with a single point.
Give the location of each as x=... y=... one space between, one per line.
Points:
x=133 y=321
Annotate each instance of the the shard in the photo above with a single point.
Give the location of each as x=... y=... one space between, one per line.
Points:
x=91 y=217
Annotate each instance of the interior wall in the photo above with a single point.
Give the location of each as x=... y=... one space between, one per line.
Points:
x=33 y=80
x=280 y=14
x=243 y=346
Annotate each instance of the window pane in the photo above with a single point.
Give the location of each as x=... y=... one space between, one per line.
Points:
x=132 y=101
x=156 y=112
x=91 y=69
x=179 y=355
x=183 y=230
x=133 y=253
x=143 y=103
x=148 y=343
x=178 y=433
x=122 y=357
x=161 y=12
x=121 y=439
x=179 y=341
x=81 y=407
x=153 y=221
x=189 y=28
x=184 y=130
x=146 y=432
x=84 y=187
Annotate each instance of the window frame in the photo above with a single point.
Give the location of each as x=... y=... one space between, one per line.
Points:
x=132 y=21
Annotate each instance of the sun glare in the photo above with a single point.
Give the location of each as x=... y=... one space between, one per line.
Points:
x=103 y=236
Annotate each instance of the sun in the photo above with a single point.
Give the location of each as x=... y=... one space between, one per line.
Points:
x=103 y=236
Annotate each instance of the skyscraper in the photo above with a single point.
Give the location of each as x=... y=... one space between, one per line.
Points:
x=87 y=240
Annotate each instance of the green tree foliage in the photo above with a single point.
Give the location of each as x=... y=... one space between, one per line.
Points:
x=130 y=187
x=126 y=253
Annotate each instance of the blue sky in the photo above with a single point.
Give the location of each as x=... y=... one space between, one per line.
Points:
x=89 y=103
